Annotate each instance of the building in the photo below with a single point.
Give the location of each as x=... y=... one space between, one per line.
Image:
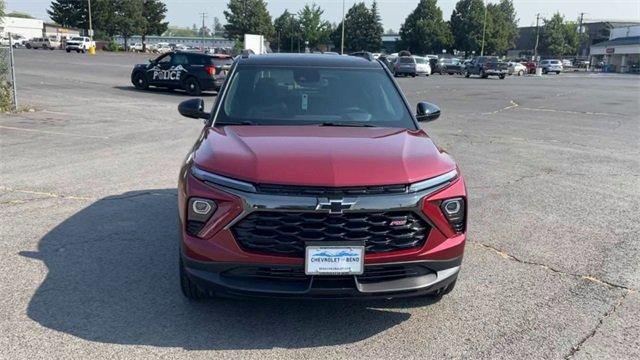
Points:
x=621 y=53
x=59 y=32
x=389 y=43
x=597 y=32
x=219 y=43
x=26 y=28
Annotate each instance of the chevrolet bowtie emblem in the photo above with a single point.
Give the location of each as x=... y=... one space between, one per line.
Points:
x=335 y=206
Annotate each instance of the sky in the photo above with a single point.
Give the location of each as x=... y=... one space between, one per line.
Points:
x=393 y=12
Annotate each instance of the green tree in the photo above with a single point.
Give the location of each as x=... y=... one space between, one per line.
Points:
x=502 y=28
x=424 y=31
x=17 y=14
x=247 y=17
x=363 y=29
x=314 y=30
x=69 y=13
x=571 y=37
x=467 y=21
x=153 y=15
x=130 y=18
x=556 y=37
x=178 y=31
x=217 y=26
x=287 y=32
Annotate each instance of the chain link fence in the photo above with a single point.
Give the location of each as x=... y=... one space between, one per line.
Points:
x=8 y=97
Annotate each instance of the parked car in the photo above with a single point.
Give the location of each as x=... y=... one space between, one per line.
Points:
x=387 y=60
x=450 y=66
x=162 y=48
x=42 y=43
x=486 y=66
x=192 y=72
x=287 y=191
x=4 y=41
x=530 y=65
x=79 y=44
x=135 y=47
x=566 y=63
x=551 y=65
x=404 y=66
x=422 y=66
x=516 y=68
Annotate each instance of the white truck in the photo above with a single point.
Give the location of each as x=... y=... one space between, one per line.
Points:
x=79 y=44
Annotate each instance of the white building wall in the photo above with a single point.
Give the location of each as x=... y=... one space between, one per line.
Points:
x=28 y=28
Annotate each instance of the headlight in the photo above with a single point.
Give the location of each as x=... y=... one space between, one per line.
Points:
x=454 y=211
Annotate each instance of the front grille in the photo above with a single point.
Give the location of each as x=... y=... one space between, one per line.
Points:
x=330 y=191
x=285 y=233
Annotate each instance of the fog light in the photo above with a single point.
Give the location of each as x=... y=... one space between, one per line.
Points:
x=453 y=210
x=200 y=209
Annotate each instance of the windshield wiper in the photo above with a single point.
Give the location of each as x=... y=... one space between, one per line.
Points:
x=346 y=124
x=225 y=123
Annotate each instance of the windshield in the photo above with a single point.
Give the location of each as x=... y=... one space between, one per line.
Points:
x=77 y=39
x=313 y=96
x=420 y=60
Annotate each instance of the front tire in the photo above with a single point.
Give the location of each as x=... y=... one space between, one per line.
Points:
x=28 y=46
x=502 y=76
x=467 y=74
x=140 y=82
x=520 y=73
x=68 y=51
x=192 y=87
x=544 y=71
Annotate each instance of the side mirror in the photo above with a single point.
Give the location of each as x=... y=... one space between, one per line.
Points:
x=427 y=111
x=193 y=108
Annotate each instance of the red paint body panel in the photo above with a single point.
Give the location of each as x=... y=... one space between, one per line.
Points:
x=321 y=156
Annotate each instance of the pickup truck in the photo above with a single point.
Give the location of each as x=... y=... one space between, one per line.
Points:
x=486 y=66
x=79 y=44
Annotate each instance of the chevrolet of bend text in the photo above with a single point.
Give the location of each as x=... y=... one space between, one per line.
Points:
x=313 y=179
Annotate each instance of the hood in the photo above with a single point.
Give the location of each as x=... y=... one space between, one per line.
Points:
x=320 y=156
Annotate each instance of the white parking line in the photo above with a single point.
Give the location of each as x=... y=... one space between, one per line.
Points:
x=52 y=132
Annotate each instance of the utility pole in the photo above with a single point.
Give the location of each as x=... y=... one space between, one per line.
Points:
x=90 y=25
x=484 y=28
x=13 y=74
x=535 y=49
x=291 y=34
x=579 y=34
x=342 y=37
x=204 y=15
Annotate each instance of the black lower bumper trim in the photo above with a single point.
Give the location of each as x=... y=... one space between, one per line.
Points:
x=378 y=281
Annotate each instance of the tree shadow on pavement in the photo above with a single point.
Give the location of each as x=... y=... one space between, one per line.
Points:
x=113 y=278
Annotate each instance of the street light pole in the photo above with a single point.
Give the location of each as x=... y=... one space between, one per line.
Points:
x=535 y=49
x=342 y=37
x=204 y=14
x=484 y=28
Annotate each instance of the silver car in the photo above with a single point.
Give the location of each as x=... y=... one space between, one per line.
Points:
x=550 y=66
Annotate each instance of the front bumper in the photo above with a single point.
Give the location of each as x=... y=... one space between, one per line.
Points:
x=214 y=258
x=379 y=281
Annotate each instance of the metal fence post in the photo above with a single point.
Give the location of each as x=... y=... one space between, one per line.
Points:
x=13 y=75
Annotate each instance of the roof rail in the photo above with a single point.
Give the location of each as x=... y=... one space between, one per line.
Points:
x=246 y=53
x=363 y=54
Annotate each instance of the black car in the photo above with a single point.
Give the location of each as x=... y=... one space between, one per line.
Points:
x=192 y=72
x=450 y=66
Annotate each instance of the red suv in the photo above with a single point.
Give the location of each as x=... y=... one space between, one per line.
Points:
x=313 y=178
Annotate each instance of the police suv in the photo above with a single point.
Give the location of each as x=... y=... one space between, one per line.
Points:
x=192 y=72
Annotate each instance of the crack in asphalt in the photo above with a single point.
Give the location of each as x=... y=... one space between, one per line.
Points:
x=590 y=278
x=601 y=320
x=606 y=284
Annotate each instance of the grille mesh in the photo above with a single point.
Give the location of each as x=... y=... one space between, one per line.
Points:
x=286 y=232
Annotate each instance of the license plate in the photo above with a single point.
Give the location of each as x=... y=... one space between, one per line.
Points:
x=334 y=260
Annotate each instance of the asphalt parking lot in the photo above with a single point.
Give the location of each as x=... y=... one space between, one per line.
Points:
x=89 y=248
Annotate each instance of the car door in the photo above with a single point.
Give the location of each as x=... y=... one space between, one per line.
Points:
x=180 y=66
x=159 y=69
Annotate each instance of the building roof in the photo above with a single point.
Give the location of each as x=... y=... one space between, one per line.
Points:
x=320 y=60
x=631 y=40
